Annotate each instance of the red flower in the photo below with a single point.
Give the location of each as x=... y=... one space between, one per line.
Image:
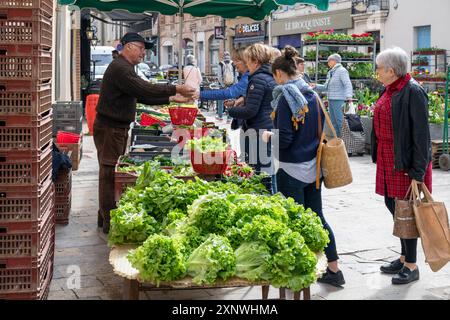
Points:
x=360 y=107
x=354 y=35
x=311 y=34
x=332 y=30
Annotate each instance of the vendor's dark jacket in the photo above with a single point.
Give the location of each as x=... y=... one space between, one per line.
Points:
x=257 y=109
x=121 y=89
x=412 y=144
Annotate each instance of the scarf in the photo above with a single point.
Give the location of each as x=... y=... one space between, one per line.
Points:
x=293 y=91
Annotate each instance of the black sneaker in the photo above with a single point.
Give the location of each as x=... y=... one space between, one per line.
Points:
x=393 y=267
x=334 y=278
x=406 y=276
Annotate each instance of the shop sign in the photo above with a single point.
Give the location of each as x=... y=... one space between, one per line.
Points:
x=332 y=20
x=249 y=30
x=219 y=33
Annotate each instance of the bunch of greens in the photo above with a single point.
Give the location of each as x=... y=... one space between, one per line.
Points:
x=207 y=144
x=131 y=224
x=160 y=258
x=213 y=259
x=253 y=261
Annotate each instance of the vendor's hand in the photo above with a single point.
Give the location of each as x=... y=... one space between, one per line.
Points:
x=178 y=98
x=266 y=136
x=313 y=85
x=186 y=90
x=196 y=95
x=239 y=102
x=229 y=103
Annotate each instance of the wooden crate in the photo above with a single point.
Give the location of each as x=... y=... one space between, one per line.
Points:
x=436 y=152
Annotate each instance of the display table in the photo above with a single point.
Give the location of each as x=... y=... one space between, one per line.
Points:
x=132 y=284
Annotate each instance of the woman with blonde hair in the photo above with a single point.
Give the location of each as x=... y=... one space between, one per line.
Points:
x=256 y=110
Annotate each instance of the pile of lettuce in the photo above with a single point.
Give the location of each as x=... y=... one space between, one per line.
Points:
x=215 y=231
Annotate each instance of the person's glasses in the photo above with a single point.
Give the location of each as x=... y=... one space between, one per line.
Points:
x=142 y=48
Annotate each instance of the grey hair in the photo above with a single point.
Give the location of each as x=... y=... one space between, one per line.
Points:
x=336 y=57
x=190 y=59
x=395 y=58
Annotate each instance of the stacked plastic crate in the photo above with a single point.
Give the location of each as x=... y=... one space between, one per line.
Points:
x=67 y=123
x=26 y=189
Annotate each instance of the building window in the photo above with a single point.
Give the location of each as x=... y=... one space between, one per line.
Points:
x=422 y=36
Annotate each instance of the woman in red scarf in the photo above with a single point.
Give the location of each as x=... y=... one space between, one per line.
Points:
x=401 y=147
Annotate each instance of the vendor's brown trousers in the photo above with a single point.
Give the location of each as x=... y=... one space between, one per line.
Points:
x=111 y=144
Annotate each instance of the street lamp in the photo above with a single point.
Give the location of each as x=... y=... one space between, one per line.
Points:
x=91 y=33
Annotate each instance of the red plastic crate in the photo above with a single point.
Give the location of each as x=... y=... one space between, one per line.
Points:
x=19 y=204
x=26 y=239
x=182 y=115
x=25 y=27
x=63 y=183
x=24 y=97
x=25 y=132
x=25 y=62
x=210 y=163
x=45 y=6
x=67 y=137
x=27 y=282
x=63 y=206
x=25 y=168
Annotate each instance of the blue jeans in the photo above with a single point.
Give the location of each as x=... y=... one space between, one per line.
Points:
x=307 y=195
x=220 y=108
x=336 y=114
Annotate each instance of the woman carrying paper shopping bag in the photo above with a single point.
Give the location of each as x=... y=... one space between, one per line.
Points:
x=401 y=147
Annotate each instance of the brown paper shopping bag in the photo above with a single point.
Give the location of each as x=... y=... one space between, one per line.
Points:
x=404 y=220
x=432 y=223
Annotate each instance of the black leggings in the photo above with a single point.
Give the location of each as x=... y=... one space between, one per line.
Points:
x=409 y=246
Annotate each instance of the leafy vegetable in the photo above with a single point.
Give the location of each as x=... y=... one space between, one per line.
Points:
x=131 y=224
x=293 y=264
x=212 y=213
x=207 y=144
x=252 y=261
x=160 y=258
x=213 y=259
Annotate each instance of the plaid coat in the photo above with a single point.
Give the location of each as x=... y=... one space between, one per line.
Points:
x=389 y=181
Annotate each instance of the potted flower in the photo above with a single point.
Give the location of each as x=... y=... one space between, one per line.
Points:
x=436 y=109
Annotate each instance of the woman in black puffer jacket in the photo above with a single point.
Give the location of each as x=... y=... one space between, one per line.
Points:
x=257 y=108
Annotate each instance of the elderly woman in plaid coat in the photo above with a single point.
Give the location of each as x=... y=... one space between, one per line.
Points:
x=401 y=147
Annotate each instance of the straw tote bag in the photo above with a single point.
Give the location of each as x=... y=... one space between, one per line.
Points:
x=332 y=157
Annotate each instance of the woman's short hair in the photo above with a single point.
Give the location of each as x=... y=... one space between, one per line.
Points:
x=190 y=59
x=395 y=58
x=275 y=53
x=336 y=57
x=286 y=62
x=238 y=54
x=258 y=52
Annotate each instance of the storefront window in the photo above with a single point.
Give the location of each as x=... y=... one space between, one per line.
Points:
x=214 y=46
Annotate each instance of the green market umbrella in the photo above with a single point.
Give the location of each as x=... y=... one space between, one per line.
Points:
x=255 y=9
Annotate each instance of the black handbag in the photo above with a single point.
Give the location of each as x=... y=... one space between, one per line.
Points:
x=354 y=122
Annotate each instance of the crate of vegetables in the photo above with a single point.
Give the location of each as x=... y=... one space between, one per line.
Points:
x=209 y=155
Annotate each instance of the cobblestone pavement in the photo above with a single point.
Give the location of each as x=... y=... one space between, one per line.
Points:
x=361 y=223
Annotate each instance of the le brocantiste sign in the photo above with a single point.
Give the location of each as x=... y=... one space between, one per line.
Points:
x=341 y=19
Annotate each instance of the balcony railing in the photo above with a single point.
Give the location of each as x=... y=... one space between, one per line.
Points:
x=369 y=6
